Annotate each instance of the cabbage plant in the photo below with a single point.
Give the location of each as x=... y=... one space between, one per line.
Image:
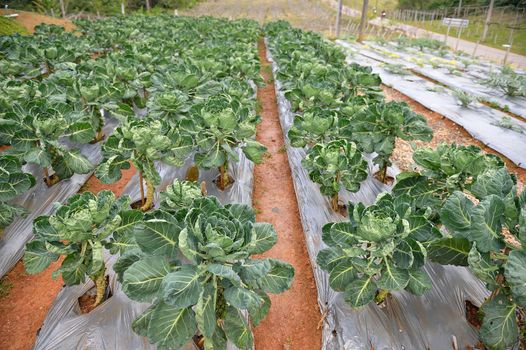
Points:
x=379 y=250
x=444 y=170
x=334 y=165
x=35 y=133
x=143 y=142
x=197 y=270
x=488 y=234
x=222 y=126
x=79 y=230
x=377 y=128
x=13 y=181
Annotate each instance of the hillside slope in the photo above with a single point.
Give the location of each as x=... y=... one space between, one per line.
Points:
x=31 y=19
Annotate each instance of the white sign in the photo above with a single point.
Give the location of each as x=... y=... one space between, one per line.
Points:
x=455 y=22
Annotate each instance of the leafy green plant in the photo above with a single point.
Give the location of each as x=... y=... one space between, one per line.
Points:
x=506 y=123
x=219 y=126
x=217 y=282
x=34 y=132
x=488 y=234
x=464 y=98
x=79 y=231
x=377 y=251
x=179 y=195
x=508 y=81
x=377 y=128
x=395 y=68
x=315 y=125
x=143 y=142
x=13 y=181
x=334 y=165
x=443 y=170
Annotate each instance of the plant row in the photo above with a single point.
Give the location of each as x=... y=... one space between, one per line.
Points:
x=191 y=260
x=461 y=207
x=177 y=87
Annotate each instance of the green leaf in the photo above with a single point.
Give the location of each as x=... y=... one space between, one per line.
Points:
x=419 y=282
x=224 y=271
x=515 y=273
x=499 y=326
x=237 y=329
x=158 y=236
x=341 y=275
x=37 y=258
x=393 y=278
x=263 y=238
x=328 y=258
x=141 y=324
x=278 y=279
x=182 y=288
x=487 y=224
x=205 y=310
x=360 y=292
x=449 y=251
x=254 y=151
x=456 y=214
x=259 y=311
x=142 y=280
x=482 y=266
x=171 y=327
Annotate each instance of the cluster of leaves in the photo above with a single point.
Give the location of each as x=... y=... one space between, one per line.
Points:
x=442 y=171
x=487 y=229
x=508 y=81
x=79 y=230
x=13 y=181
x=216 y=281
x=471 y=194
x=337 y=103
x=334 y=165
x=183 y=89
x=377 y=251
x=377 y=128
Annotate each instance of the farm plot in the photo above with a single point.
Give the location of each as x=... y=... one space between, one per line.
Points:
x=496 y=129
x=185 y=108
x=176 y=259
x=499 y=87
x=388 y=248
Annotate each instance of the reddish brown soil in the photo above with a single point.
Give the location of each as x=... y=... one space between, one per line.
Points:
x=444 y=130
x=23 y=311
x=292 y=322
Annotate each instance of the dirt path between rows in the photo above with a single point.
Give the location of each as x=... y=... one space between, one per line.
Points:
x=29 y=297
x=293 y=318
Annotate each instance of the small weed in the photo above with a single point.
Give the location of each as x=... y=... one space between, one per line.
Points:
x=464 y=98
x=5 y=287
x=282 y=149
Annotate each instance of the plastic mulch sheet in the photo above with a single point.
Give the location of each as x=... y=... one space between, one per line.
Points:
x=480 y=121
x=407 y=321
x=39 y=201
x=108 y=327
x=468 y=82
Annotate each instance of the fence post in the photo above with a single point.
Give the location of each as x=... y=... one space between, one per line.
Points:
x=488 y=19
x=338 y=18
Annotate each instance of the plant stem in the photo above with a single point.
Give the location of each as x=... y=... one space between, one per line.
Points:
x=141 y=184
x=223 y=178
x=149 y=196
x=334 y=202
x=46 y=175
x=100 y=283
x=384 y=173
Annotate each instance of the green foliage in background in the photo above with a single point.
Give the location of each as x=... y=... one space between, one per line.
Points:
x=9 y=27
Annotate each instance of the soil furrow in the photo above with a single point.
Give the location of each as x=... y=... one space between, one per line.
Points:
x=292 y=322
